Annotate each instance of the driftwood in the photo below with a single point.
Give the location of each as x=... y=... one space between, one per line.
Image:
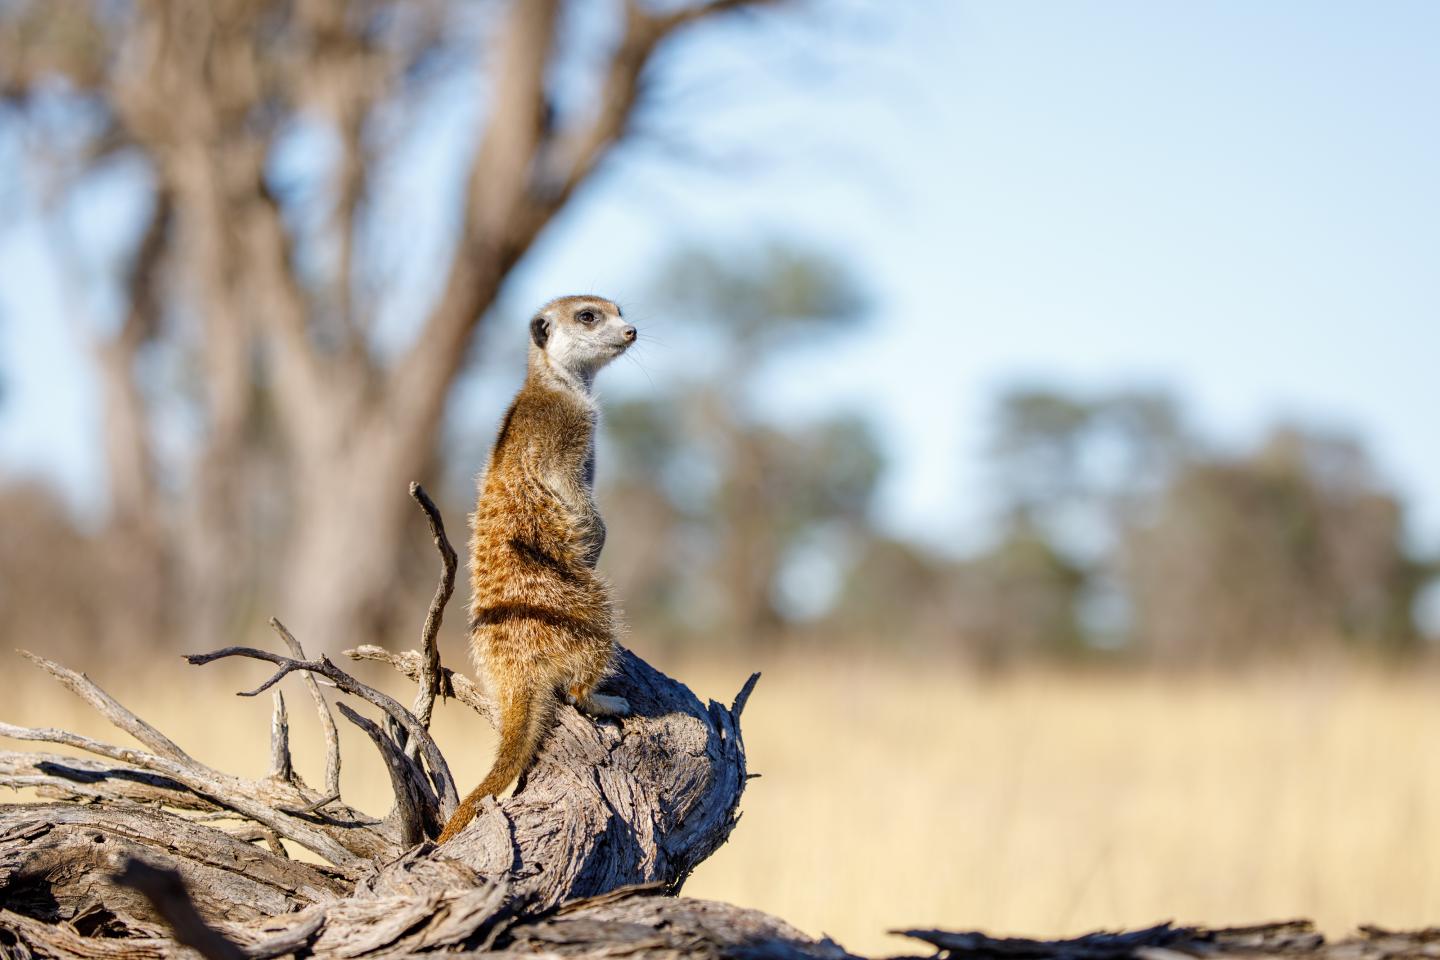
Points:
x=144 y=852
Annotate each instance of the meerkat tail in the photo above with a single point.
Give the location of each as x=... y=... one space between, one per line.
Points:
x=525 y=717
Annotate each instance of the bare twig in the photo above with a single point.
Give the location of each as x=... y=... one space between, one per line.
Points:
x=444 y=783
x=327 y=720
x=317 y=805
x=406 y=780
x=85 y=688
x=743 y=697
x=429 y=646
x=281 y=766
x=452 y=683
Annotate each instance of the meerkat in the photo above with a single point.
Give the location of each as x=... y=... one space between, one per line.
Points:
x=542 y=620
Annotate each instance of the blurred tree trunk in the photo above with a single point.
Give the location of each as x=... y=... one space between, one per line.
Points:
x=136 y=529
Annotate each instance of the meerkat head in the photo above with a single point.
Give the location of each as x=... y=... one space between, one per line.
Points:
x=579 y=335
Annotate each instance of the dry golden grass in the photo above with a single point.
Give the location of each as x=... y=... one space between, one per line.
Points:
x=910 y=795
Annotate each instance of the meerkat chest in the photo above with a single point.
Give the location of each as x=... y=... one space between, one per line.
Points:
x=578 y=494
x=548 y=440
x=569 y=469
x=569 y=485
x=583 y=515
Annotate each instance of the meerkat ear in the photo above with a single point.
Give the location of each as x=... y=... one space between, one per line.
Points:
x=540 y=331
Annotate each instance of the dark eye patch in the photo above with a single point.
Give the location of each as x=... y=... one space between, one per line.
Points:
x=586 y=317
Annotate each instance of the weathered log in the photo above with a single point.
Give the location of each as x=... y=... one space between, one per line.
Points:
x=610 y=804
x=345 y=838
x=606 y=805
x=638 y=926
x=131 y=860
x=57 y=862
x=677 y=767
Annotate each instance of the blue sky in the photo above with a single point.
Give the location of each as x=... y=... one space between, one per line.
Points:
x=1237 y=201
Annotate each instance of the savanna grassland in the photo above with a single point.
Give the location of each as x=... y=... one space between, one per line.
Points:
x=917 y=794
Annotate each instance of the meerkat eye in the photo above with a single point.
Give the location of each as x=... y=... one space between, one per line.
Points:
x=586 y=317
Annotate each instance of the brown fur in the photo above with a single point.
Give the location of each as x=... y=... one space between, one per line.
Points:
x=542 y=621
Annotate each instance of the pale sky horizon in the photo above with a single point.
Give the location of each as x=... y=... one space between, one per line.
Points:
x=1236 y=202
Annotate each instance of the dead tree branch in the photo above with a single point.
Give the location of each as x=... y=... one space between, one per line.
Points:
x=82 y=779
x=440 y=780
x=327 y=720
x=281 y=766
x=429 y=678
x=195 y=785
x=455 y=686
x=229 y=791
x=415 y=815
x=109 y=708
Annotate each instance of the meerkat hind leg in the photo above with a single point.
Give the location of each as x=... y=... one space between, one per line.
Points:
x=598 y=704
x=604 y=705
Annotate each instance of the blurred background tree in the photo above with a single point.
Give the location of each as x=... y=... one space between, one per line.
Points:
x=1122 y=532
x=1290 y=548
x=276 y=356
x=253 y=311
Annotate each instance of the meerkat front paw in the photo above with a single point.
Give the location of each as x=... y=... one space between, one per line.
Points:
x=604 y=705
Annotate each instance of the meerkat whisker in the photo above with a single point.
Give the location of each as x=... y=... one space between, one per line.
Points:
x=641 y=367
